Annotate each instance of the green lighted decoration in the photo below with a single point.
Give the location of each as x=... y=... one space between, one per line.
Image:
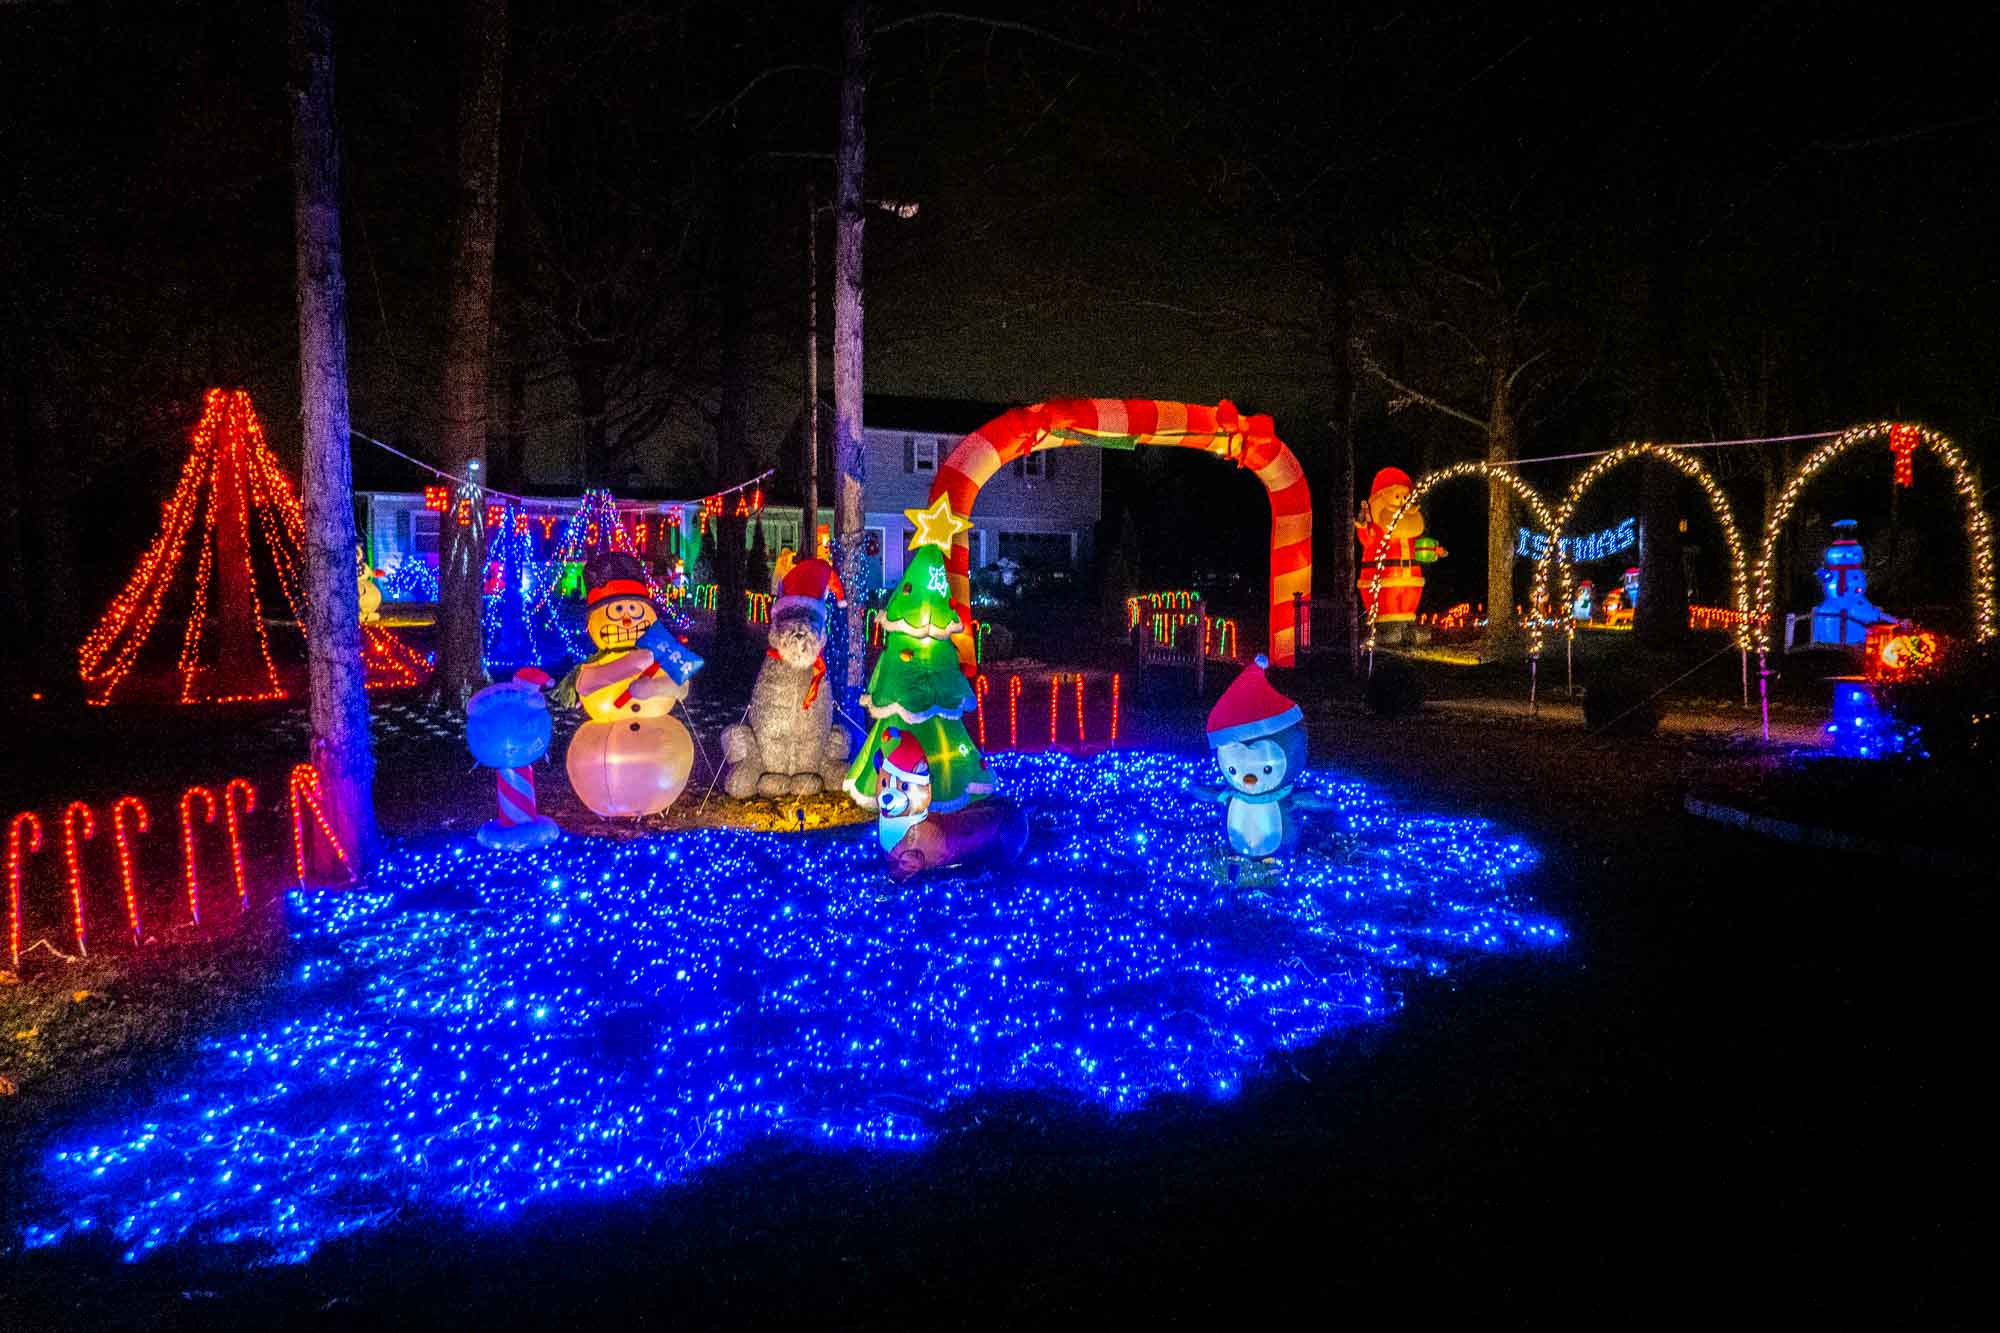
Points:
x=917 y=688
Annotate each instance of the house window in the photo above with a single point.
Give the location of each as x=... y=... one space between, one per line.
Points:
x=1049 y=550
x=1032 y=467
x=423 y=532
x=919 y=455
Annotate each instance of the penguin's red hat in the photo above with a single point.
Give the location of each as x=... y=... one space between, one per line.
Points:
x=1250 y=708
x=806 y=586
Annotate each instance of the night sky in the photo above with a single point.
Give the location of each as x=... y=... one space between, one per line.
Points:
x=1121 y=197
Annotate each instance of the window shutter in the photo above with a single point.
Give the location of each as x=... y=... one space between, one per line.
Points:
x=1049 y=466
x=909 y=453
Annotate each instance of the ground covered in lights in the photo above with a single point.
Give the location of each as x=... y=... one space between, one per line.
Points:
x=600 y=1017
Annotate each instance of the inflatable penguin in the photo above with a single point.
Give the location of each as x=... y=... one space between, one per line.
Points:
x=1259 y=740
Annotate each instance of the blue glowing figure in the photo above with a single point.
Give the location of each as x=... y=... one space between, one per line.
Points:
x=1863 y=729
x=1845 y=613
x=1259 y=739
x=1585 y=592
x=616 y=1015
x=507 y=728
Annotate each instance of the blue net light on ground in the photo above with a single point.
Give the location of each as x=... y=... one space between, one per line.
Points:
x=600 y=1016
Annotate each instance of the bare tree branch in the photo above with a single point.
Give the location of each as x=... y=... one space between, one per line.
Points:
x=1408 y=394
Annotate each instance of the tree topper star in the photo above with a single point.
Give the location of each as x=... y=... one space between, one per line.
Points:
x=937 y=525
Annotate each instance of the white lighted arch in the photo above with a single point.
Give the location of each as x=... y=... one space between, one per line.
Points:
x=1527 y=494
x=1978 y=528
x=1686 y=464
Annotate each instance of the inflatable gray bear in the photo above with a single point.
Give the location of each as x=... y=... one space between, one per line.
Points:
x=790 y=746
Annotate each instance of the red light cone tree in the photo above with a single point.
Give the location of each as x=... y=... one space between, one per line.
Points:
x=232 y=513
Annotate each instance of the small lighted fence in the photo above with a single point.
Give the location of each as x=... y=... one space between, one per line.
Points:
x=1047 y=710
x=701 y=597
x=1178 y=620
x=121 y=875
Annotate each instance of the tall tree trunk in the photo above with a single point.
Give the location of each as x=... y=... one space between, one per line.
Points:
x=1661 y=620
x=339 y=705
x=849 y=224
x=1503 y=628
x=461 y=666
x=1338 y=510
x=732 y=423
x=514 y=428
x=587 y=370
x=17 y=389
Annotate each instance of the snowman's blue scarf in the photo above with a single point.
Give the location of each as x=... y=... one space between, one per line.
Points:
x=1255 y=797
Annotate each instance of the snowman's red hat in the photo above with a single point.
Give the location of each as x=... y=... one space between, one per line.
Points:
x=903 y=755
x=1250 y=708
x=806 y=585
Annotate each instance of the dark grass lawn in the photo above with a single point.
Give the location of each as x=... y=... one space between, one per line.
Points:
x=1753 y=1082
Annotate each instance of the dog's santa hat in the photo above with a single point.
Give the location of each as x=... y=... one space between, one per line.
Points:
x=806 y=585
x=903 y=755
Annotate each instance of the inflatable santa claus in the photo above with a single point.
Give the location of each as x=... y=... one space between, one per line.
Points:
x=1397 y=555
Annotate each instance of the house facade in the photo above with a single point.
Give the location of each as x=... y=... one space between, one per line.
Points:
x=1041 y=509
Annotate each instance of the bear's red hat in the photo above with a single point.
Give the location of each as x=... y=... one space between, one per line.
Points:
x=1250 y=708
x=903 y=755
x=806 y=585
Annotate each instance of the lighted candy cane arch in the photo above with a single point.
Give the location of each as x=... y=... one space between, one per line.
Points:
x=1221 y=430
x=1978 y=528
x=1688 y=465
x=1528 y=496
x=1903 y=437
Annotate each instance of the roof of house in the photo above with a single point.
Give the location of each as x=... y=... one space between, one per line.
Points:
x=955 y=416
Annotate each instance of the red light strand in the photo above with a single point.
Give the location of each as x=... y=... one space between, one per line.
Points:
x=74 y=813
x=118 y=810
x=1013 y=712
x=980 y=685
x=305 y=795
x=187 y=844
x=28 y=820
x=230 y=822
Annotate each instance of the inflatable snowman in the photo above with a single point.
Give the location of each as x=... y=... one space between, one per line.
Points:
x=370 y=592
x=630 y=757
x=1259 y=739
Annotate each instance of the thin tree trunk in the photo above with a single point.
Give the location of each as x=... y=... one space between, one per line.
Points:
x=732 y=429
x=1340 y=508
x=587 y=369
x=1503 y=628
x=339 y=706
x=1661 y=620
x=849 y=224
x=461 y=667
x=514 y=445
x=50 y=486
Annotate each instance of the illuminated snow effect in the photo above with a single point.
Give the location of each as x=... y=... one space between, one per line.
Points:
x=599 y=1016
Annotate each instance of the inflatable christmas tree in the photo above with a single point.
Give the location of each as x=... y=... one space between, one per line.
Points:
x=232 y=524
x=917 y=688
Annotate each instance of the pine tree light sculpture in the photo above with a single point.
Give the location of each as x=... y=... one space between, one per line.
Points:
x=917 y=686
x=232 y=514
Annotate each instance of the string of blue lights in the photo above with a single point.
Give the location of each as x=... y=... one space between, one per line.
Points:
x=599 y=1016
